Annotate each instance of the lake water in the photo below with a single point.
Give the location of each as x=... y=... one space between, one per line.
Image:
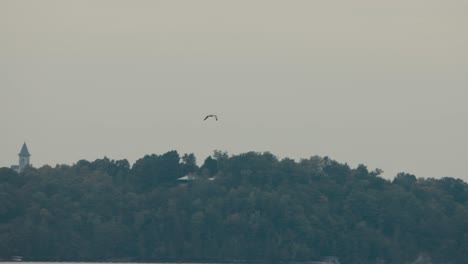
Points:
x=329 y=261
x=42 y=262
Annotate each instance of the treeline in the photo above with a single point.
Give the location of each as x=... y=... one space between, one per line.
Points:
x=248 y=207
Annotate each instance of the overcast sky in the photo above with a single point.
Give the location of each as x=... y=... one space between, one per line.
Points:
x=383 y=83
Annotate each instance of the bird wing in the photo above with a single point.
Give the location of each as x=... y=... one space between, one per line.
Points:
x=208 y=116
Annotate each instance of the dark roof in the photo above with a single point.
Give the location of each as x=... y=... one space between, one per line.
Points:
x=24 y=151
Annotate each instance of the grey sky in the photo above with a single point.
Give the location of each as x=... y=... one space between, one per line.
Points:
x=384 y=83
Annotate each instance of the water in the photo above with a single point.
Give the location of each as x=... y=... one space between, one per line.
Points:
x=325 y=261
x=107 y=262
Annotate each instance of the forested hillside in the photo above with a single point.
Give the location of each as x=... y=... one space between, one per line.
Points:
x=249 y=207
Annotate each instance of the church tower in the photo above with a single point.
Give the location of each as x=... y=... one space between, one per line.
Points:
x=23 y=157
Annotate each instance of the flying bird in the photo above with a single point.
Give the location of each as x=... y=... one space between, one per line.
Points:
x=208 y=116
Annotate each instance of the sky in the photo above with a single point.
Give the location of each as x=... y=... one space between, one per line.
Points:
x=379 y=83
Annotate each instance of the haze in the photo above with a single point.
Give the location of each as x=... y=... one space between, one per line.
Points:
x=383 y=83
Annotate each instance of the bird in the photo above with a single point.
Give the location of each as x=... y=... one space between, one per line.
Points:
x=208 y=116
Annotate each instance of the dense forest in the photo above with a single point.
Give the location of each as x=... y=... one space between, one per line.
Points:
x=250 y=207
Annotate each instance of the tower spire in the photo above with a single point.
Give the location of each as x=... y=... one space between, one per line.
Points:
x=23 y=157
x=24 y=151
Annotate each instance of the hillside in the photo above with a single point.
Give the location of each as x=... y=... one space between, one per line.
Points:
x=247 y=207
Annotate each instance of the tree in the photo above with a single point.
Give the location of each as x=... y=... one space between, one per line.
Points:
x=189 y=163
x=405 y=180
x=210 y=166
x=151 y=171
x=259 y=209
